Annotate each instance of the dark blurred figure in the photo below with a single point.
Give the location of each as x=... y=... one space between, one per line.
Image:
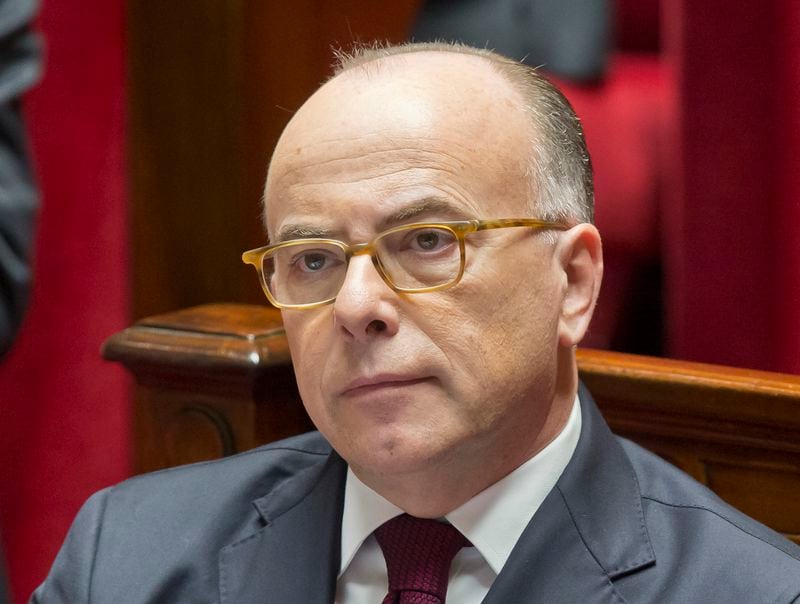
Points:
x=20 y=56
x=19 y=69
x=569 y=38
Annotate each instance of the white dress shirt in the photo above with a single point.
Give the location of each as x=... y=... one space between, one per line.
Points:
x=493 y=521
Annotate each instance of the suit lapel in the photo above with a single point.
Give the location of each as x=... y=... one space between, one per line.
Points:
x=294 y=556
x=550 y=563
x=589 y=530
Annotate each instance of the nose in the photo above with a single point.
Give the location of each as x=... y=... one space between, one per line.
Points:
x=364 y=307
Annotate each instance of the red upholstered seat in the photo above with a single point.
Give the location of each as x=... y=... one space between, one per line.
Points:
x=627 y=118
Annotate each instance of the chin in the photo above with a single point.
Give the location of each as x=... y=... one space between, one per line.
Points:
x=396 y=454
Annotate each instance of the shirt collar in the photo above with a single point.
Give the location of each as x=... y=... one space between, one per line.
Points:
x=364 y=511
x=493 y=520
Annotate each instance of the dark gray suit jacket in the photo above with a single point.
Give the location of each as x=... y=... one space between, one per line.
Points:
x=621 y=525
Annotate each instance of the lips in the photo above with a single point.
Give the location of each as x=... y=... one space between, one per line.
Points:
x=382 y=381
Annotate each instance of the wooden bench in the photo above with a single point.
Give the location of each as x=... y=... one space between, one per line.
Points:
x=216 y=379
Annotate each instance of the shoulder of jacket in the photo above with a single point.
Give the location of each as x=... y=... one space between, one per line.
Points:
x=253 y=470
x=666 y=487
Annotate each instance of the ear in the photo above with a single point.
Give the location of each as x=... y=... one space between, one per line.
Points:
x=579 y=253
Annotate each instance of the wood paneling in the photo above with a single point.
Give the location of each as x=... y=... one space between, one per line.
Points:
x=185 y=151
x=212 y=84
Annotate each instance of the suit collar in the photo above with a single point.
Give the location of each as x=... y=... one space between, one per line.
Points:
x=589 y=530
x=293 y=556
x=601 y=490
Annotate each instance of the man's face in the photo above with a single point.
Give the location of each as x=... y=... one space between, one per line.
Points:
x=402 y=383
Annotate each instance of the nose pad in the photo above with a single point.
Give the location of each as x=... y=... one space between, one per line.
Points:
x=364 y=305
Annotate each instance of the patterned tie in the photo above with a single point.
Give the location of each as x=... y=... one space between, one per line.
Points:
x=418 y=555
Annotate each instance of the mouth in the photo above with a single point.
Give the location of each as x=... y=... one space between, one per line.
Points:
x=385 y=381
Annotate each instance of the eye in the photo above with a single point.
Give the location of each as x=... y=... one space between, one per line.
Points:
x=313 y=261
x=429 y=240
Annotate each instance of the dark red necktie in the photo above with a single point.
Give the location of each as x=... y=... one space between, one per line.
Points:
x=418 y=555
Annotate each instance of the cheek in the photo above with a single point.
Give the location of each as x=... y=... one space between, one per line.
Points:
x=306 y=340
x=501 y=333
x=523 y=330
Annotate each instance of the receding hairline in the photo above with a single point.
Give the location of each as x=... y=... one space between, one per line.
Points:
x=374 y=58
x=559 y=167
x=377 y=59
x=363 y=58
x=360 y=56
x=538 y=98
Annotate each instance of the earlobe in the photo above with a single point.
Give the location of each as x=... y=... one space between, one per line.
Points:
x=580 y=254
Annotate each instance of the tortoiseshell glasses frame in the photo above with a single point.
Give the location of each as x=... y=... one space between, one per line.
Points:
x=411 y=259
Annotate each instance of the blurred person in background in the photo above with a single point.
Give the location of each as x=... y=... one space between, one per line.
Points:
x=20 y=61
x=19 y=70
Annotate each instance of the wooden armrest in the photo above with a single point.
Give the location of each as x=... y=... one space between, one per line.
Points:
x=211 y=381
x=706 y=402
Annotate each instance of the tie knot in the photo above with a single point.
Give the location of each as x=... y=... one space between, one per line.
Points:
x=418 y=555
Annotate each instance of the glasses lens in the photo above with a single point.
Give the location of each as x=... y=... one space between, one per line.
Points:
x=305 y=273
x=421 y=257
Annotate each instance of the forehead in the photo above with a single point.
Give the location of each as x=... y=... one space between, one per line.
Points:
x=404 y=129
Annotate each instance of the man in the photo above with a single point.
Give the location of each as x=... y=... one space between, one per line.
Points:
x=429 y=211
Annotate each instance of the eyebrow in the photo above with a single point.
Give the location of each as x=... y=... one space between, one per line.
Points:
x=432 y=206
x=302 y=231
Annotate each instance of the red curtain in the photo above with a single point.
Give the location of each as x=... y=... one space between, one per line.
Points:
x=786 y=324
x=732 y=218
x=65 y=413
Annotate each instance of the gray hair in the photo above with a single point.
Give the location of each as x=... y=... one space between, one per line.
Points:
x=560 y=168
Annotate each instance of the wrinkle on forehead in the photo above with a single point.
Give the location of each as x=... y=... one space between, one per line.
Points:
x=326 y=162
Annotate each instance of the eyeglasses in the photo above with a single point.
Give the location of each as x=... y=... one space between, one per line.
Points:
x=412 y=259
